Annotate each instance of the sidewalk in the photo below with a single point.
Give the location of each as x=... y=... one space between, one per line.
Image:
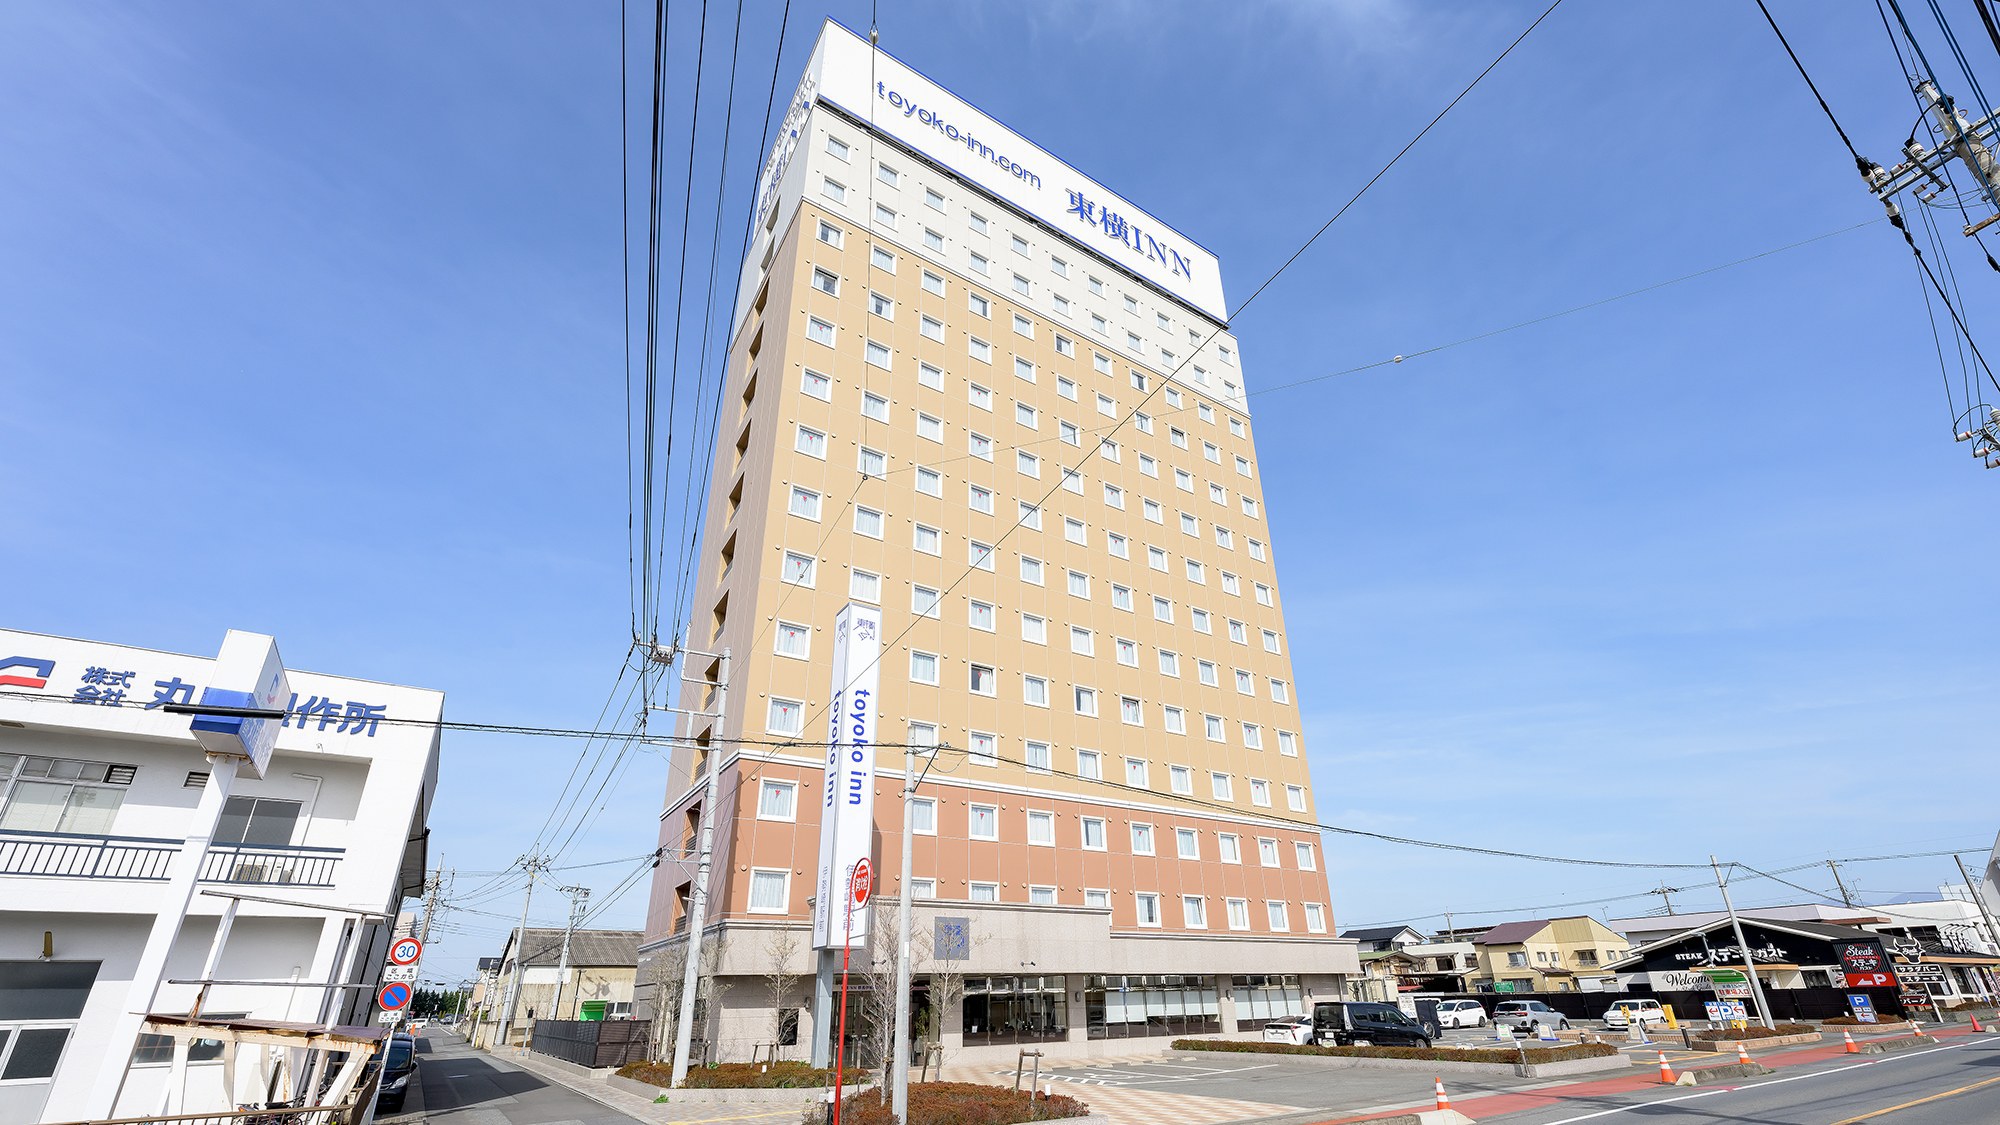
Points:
x=1129 y=1106
x=591 y=1085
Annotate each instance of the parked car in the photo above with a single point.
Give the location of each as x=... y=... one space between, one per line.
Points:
x=1362 y=1024
x=1530 y=1016
x=399 y=1069
x=1291 y=1029
x=1622 y=1012
x=1461 y=1013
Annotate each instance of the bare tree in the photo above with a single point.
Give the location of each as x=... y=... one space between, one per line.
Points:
x=665 y=971
x=780 y=979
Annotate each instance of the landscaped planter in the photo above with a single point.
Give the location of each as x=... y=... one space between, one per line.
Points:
x=801 y=1096
x=1893 y=1027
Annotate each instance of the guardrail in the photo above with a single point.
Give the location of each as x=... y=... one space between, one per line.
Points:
x=68 y=855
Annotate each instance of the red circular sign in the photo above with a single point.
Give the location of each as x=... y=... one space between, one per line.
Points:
x=405 y=951
x=862 y=883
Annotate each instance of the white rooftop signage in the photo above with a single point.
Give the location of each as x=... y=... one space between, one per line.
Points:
x=923 y=115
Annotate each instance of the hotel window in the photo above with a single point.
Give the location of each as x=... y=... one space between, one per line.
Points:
x=1281 y=922
x=1194 y=912
x=1132 y=341
x=1026 y=415
x=1218 y=495
x=1149 y=466
x=868 y=521
x=1121 y=596
x=1214 y=727
x=794 y=640
x=930 y=428
x=1156 y=557
x=874 y=406
x=934 y=199
x=784 y=717
x=981 y=749
x=1035 y=755
x=1024 y=327
x=1177 y=437
x=1058 y=267
x=1239 y=632
x=1107 y=406
x=923 y=816
x=1027 y=464
x=1183 y=480
x=1074 y=531
x=928 y=540
x=1079 y=584
x=1034 y=629
x=923 y=888
x=798 y=569
x=816 y=385
x=777 y=800
x=1030 y=516
x=1205 y=670
x=1288 y=744
x=1263 y=594
x=1147 y=906
x=819 y=331
x=1260 y=790
x=863 y=586
x=885 y=217
x=1174 y=718
x=1222 y=786
x=1199 y=619
x=1223 y=537
x=1114 y=496
x=1086 y=700
x=1196 y=572
x=923 y=668
x=1072 y=481
x=1128 y=651
x=1180 y=779
x=1190 y=525
x=1151 y=510
x=933 y=283
x=1231 y=585
x=805 y=503
x=932 y=329
x=1020 y=245
x=1100 y=362
x=983 y=892
x=1081 y=640
x=1142 y=839
x=1131 y=712
x=1090 y=765
x=767 y=890
x=933 y=241
x=979 y=349
x=1270 y=641
x=1023 y=369
x=1041 y=896
x=1170 y=663
x=826 y=282
x=1034 y=691
x=979 y=445
x=1256 y=550
x=924 y=601
x=1307 y=860
x=1097 y=327
x=976 y=221
x=1066 y=388
x=1059 y=305
x=877 y=355
x=1239 y=913
x=833 y=189
x=1031 y=570
x=881 y=306
x=983 y=822
x=1243 y=468
x=1021 y=285
x=872 y=463
x=1065 y=346
x=1206 y=413
x=930 y=375
x=930 y=482
x=1281 y=692
x=980 y=265
x=1174 y=396
x=881 y=259
x=979 y=499
x=1315 y=918
x=1042 y=828
x=831 y=235
x=1119 y=547
x=1163 y=610
x=1267 y=851
x=836 y=148
x=1108 y=449
x=979 y=679
x=1097 y=900
x=1229 y=847
x=1093 y=833
x=979 y=305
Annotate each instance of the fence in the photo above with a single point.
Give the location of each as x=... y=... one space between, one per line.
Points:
x=70 y=855
x=593 y=1043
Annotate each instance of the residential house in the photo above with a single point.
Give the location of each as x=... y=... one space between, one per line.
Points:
x=1547 y=955
x=594 y=981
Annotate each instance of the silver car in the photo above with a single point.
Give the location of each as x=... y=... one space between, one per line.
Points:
x=1531 y=1016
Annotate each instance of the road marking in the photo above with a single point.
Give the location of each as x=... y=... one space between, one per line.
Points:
x=1919 y=1101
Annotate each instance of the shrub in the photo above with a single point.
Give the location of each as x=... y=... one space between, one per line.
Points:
x=733 y=1076
x=1564 y=1053
x=954 y=1103
x=1758 y=1031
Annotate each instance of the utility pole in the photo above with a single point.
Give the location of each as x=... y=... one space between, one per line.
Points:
x=533 y=865
x=432 y=887
x=1749 y=962
x=899 y=1082
x=697 y=913
x=1666 y=894
x=1834 y=867
x=1978 y=900
x=577 y=897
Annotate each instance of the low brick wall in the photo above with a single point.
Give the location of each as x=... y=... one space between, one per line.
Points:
x=1728 y=1046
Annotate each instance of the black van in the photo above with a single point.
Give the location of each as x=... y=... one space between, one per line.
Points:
x=1361 y=1024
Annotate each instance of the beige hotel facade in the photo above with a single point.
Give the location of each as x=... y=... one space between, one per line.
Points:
x=985 y=394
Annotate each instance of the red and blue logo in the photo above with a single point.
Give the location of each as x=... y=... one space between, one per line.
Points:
x=11 y=677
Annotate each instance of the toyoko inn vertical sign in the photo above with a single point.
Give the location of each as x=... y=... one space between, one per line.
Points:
x=847 y=795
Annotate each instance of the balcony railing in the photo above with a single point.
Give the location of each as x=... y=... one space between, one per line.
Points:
x=68 y=855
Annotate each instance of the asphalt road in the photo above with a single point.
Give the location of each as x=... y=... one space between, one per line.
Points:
x=1957 y=1083
x=462 y=1086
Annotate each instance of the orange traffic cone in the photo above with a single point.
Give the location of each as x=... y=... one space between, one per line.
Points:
x=1443 y=1099
x=1976 y=1029
x=1742 y=1055
x=1916 y=1028
x=1666 y=1072
x=1847 y=1037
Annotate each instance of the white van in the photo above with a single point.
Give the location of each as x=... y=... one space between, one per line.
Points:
x=1621 y=1013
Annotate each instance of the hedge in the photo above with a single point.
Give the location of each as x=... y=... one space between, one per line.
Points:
x=1564 y=1053
x=1758 y=1031
x=733 y=1076
x=954 y=1103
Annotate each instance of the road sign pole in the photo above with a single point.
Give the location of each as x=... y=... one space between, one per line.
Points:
x=1749 y=962
x=858 y=887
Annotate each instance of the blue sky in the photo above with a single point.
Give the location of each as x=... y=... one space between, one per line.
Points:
x=312 y=324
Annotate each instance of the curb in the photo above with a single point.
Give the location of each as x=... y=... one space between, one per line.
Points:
x=1700 y=1075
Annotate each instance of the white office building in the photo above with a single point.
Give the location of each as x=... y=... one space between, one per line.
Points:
x=99 y=789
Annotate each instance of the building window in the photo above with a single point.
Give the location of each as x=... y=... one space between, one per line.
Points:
x=930 y=482
x=1031 y=570
x=798 y=569
x=980 y=306
x=1205 y=671
x=1090 y=765
x=1079 y=584
x=983 y=822
x=810 y=442
x=805 y=503
x=833 y=189
x=1223 y=786
x=1213 y=728
x=923 y=816
x=934 y=199
x=1128 y=651
x=919 y=889
x=1042 y=828
x=930 y=428
x=831 y=235
x=768 y=890
x=1036 y=756
x=983 y=892
x=1295 y=798
x=826 y=281
x=1034 y=691
x=1148 y=907
x=872 y=463
x=1180 y=779
x=1260 y=792
x=1253 y=738
x=1034 y=629
x=777 y=800
x=786 y=716
x=979 y=615
x=980 y=679
x=1281 y=919
x=1174 y=719
x=69 y=795
x=1086 y=701
x=1308 y=861
x=1093 y=833
x=1081 y=640
x=1288 y=744
x=923 y=667
x=1229 y=847
x=794 y=640
x=1142 y=839
x=1135 y=772
x=1121 y=596
x=884 y=216
x=867 y=521
x=816 y=384
x=930 y=375
x=933 y=284
x=928 y=540
x=877 y=355
x=1041 y=896
x=1187 y=843
x=1239 y=913
x=1315 y=918
x=1194 y=912
x=864 y=586
x=1267 y=851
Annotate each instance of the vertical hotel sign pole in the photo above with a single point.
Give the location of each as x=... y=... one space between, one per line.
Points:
x=249 y=690
x=847 y=803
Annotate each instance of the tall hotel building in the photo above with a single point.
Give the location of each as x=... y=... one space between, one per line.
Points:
x=976 y=392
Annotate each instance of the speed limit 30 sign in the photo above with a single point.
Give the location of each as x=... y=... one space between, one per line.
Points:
x=405 y=951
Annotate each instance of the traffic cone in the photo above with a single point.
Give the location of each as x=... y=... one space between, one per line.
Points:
x=1976 y=1029
x=1443 y=1099
x=1916 y=1028
x=1847 y=1037
x=1666 y=1072
x=1742 y=1055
